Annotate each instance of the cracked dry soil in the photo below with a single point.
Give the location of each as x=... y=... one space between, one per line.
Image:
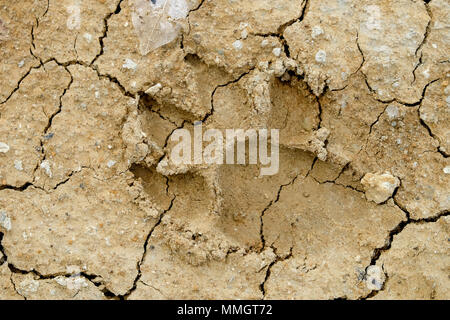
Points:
x=91 y=209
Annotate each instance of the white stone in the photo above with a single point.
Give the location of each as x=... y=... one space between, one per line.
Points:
x=72 y=283
x=321 y=56
x=130 y=64
x=316 y=31
x=111 y=163
x=375 y=278
x=88 y=37
x=379 y=187
x=46 y=166
x=177 y=9
x=18 y=165
x=238 y=44
x=154 y=89
x=392 y=112
x=4 y=148
x=5 y=221
x=276 y=52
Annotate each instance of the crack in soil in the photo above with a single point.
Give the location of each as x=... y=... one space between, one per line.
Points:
x=377 y=252
x=139 y=263
x=105 y=31
x=90 y=277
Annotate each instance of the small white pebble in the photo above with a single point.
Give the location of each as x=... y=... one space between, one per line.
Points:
x=321 y=56
x=316 y=31
x=264 y=43
x=375 y=278
x=276 y=52
x=5 y=221
x=447 y=170
x=21 y=63
x=88 y=37
x=154 y=89
x=111 y=163
x=129 y=64
x=392 y=111
x=18 y=165
x=46 y=166
x=4 y=148
x=238 y=44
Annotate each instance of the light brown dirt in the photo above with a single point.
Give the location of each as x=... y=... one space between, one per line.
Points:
x=91 y=206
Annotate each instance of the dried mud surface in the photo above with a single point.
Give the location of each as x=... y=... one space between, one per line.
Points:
x=91 y=208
